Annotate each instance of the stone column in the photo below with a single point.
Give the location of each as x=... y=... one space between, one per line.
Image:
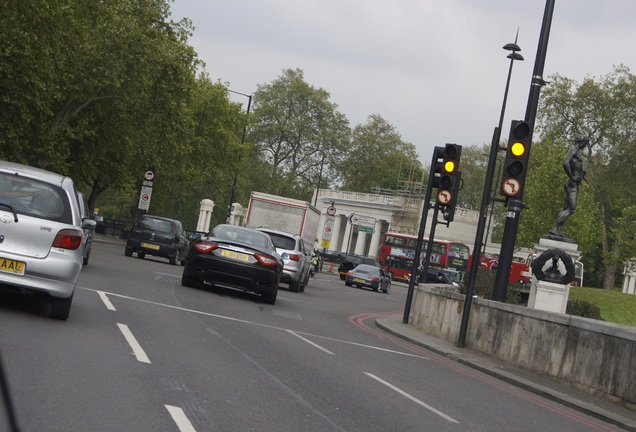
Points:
x=376 y=238
x=336 y=237
x=345 y=238
x=629 y=282
x=236 y=214
x=361 y=242
x=205 y=215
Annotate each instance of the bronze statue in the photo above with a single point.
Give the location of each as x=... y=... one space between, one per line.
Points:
x=573 y=166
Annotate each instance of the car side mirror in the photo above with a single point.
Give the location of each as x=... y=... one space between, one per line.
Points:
x=88 y=223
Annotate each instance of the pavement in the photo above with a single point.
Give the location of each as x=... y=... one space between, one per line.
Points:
x=529 y=381
x=542 y=386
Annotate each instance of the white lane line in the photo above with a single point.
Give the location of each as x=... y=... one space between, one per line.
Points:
x=310 y=342
x=257 y=324
x=180 y=419
x=137 y=350
x=408 y=396
x=106 y=300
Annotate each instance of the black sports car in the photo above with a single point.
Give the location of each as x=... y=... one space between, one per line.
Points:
x=235 y=257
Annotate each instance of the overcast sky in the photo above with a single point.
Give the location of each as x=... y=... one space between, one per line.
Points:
x=435 y=69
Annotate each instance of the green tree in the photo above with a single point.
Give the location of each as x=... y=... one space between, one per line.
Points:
x=603 y=109
x=295 y=126
x=210 y=159
x=545 y=195
x=473 y=165
x=98 y=91
x=378 y=158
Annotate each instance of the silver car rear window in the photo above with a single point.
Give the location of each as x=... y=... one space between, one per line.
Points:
x=283 y=242
x=34 y=198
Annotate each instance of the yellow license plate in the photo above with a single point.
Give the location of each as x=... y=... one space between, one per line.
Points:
x=235 y=255
x=150 y=246
x=359 y=280
x=11 y=266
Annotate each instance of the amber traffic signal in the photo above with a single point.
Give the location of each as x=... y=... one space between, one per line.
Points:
x=449 y=180
x=516 y=162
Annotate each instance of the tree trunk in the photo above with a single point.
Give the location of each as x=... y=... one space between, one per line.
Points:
x=609 y=279
x=611 y=266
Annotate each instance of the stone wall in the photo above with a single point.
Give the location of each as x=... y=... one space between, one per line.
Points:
x=592 y=356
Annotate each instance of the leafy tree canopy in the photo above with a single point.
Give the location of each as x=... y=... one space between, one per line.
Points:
x=295 y=126
x=378 y=158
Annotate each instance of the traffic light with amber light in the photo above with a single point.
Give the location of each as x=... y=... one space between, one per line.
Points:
x=516 y=162
x=449 y=180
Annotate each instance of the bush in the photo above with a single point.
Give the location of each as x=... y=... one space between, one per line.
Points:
x=583 y=309
x=485 y=282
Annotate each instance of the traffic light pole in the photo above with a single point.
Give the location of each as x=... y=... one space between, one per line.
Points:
x=420 y=236
x=515 y=205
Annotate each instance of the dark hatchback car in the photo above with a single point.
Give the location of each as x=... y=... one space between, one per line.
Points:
x=350 y=261
x=235 y=257
x=158 y=236
x=364 y=275
x=437 y=276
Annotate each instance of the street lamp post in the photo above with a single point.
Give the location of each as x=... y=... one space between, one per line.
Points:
x=516 y=205
x=485 y=199
x=322 y=161
x=249 y=104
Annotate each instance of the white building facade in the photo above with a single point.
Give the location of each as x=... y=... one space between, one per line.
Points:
x=387 y=213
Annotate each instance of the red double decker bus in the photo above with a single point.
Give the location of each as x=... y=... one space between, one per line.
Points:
x=398 y=251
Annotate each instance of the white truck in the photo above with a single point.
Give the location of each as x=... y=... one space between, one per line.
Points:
x=283 y=214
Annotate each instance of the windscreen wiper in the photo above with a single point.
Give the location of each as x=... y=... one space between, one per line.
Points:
x=15 y=215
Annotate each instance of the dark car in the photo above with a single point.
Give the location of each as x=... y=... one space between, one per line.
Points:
x=330 y=255
x=437 y=276
x=350 y=261
x=364 y=275
x=158 y=236
x=88 y=233
x=235 y=257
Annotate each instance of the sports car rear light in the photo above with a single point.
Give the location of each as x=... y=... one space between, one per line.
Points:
x=68 y=239
x=373 y=277
x=350 y=272
x=266 y=260
x=204 y=246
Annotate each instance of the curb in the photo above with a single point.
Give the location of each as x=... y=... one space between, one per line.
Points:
x=599 y=409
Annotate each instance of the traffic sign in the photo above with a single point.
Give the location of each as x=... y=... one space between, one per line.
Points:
x=331 y=211
x=144 y=198
x=328 y=229
x=367 y=220
x=444 y=197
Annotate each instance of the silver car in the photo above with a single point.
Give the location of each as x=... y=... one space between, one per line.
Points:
x=41 y=235
x=296 y=257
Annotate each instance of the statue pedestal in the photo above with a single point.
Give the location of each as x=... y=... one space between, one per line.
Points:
x=544 y=244
x=550 y=296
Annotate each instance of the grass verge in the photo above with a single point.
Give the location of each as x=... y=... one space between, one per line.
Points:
x=615 y=306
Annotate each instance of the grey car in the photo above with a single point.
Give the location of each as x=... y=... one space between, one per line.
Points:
x=41 y=235
x=364 y=275
x=296 y=257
